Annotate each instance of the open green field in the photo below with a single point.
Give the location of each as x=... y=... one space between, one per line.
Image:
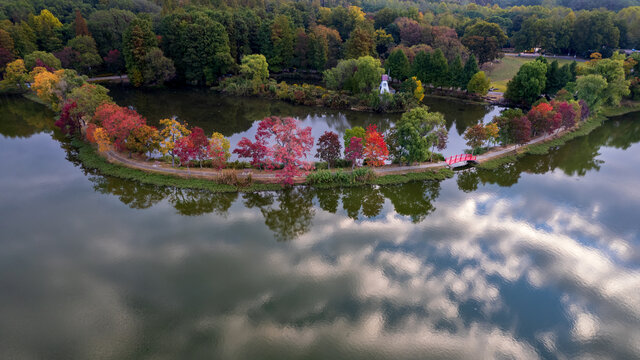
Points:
x=501 y=73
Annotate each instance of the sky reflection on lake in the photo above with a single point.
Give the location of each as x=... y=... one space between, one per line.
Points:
x=547 y=267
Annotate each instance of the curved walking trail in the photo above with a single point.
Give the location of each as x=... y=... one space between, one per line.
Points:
x=270 y=177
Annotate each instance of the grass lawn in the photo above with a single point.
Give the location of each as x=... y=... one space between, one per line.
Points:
x=508 y=67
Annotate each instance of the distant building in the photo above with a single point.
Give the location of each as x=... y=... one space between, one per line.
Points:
x=384 y=85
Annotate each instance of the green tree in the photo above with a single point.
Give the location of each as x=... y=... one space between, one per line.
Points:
x=361 y=42
x=145 y=62
x=440 y=69
x=397 y=65
x=422 y=67
x=555 y=79
x=479 y=84
x=591 y=89
x=595 y=31
x=44 y=58
x=48 y=29
x=158 y=68
x=88 y=98
x=528 y=83
x=359 y=76
x=485 y=40
x=282 y=38
x=356 y=131
x=24 y=38
x=255 y=68
x=470 y=69
x=198 y=45
x=88 y=53
x=612 y=70
x=630 y=17
x=412 y=136
x=456 y=73
x=107 y=28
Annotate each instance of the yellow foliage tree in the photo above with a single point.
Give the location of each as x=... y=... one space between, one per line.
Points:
x=492 y=132
x=418 y=92
x=219 y=149
x=356 y=14
x=15 y=77
x=44 y=84
x=103 y=139
x=172 y=131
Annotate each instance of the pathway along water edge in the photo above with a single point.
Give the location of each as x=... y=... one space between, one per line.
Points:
x=269 y=177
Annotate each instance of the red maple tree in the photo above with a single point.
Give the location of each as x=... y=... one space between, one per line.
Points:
x=540 y=117
x=118 y=122
x=329 y=148
x=375 y=151
x=354 y=152
x=68 y=122
x=521 y=130
x=567 y=112
x=185 y=150
x=200 y=143
x=279 y=143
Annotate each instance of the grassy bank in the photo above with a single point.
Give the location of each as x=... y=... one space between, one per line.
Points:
x=340 y=179
x=94 y=161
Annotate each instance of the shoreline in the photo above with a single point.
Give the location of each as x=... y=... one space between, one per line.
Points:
x=115 y=164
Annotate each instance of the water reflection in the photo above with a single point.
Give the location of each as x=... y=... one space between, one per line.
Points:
x=21 y=118
x=576 y=158
x=234 y=117
x=546 y=267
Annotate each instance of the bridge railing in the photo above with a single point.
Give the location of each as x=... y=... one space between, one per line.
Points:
x=459 y=158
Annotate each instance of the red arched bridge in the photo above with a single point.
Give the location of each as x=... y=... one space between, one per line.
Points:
x=461 y=160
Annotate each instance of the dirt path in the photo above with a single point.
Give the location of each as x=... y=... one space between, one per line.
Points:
x=270 y=177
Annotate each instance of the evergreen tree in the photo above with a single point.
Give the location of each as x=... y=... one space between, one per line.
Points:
x=554 y=79
x=397 y=65
x=139 y=42
x=422 y=67
x=440 y=69
x=456 y=73
x=470 y=69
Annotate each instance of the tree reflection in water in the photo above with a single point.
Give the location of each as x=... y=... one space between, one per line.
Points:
x=22 y=118
x=575 y=158
x=414 y=200
x=291 y=217
x=289 y=213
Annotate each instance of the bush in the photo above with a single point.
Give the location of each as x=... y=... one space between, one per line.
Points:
x=358 y=176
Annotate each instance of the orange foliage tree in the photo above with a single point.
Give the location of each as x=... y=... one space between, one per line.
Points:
x=376 y=151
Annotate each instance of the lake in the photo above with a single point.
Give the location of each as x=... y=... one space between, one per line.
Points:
x=539 y=259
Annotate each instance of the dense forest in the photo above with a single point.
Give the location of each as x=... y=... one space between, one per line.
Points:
x=202 y=40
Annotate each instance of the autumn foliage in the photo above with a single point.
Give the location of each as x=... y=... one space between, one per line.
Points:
x=279 y=143
x=354 y=151
x=375 y=150
x=119 y=123
x=329 y=148
x=68 y=121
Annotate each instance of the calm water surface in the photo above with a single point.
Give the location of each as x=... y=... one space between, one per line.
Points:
x=235 y=117
x=536 y=260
